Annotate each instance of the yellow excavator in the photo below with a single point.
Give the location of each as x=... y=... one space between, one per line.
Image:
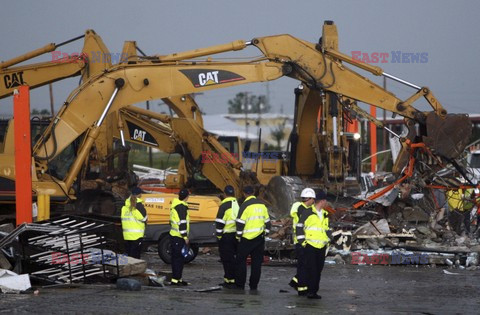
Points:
x=102 y=107
x=93 y=59
x=330 y=88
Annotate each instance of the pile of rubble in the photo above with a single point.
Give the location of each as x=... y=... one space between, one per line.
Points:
x=406 y=232
x=151 y=176
x=410 y=234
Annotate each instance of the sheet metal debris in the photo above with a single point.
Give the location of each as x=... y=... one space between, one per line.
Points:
x=10 y=282
x=64 y=250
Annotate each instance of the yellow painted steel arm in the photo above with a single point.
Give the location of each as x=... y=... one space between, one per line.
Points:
x=184 y=136
x=160 y=77
x=93 y=59
x=142 y=82
x=38 y=74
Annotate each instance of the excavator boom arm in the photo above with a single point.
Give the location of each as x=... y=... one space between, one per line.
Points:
x=184 y=136
x=39 y=74
x=163 y=76
x=93 y=59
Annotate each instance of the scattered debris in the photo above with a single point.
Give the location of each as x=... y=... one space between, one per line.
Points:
x=338 y=259
x=342 y=240
x=26 y=227
x=10 y=282
x=127 y=266
x=450 y=273
x=378 y=227
x=128 y=284
x=4 y=263
x=209 y=289
x=415 y=214
x=206 y=250
x=6 y=228
x=64 y=250
x=472 y=260
x=281 y=228
x=157 y=281
x=152 y=177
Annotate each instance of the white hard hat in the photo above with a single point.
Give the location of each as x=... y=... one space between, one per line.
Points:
x=307 y=193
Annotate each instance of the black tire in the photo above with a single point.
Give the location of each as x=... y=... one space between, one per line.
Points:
x=164 y=250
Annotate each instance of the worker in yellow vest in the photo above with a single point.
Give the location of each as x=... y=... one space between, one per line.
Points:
x=460 y=203
x=225 y=230
x=179 y=229
x=298 y=282
x=476 y=197
x=134 y=216
x=311 y=232
x=253 y=223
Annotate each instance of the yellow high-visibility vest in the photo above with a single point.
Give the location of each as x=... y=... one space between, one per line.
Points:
x=460 y=200
x=175 y=220
x=133 y=222
x=296 y=218
x=315 y=228
x=229 y=216
x=254 y=217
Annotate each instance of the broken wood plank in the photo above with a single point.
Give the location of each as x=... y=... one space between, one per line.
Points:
x=439 y=249
x=397 y=235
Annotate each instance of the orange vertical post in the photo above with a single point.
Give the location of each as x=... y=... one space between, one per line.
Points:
x=373 y=140
x=23 y=159
x=353 y=126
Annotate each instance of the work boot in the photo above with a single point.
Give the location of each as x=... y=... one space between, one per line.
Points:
x=293 y=284
x=302 y=293
x=226 y=281
x=314 y=296
x=180 y=283
x=231 y=286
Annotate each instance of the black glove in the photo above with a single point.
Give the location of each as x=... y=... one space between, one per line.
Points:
x=329 y=234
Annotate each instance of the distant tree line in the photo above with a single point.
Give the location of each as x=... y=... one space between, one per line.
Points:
x=43 y=112
x=250 y=103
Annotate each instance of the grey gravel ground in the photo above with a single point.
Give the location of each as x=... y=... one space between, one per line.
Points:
x=344 y=289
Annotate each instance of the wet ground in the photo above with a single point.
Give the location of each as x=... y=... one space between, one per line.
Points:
x=344 y=289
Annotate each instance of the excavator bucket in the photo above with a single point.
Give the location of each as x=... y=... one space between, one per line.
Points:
x=281 y=192
x=448 y=137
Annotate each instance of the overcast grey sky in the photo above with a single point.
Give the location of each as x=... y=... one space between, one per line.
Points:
x=447 y=31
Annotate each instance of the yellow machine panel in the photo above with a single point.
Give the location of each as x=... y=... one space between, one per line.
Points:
x=201 y=208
